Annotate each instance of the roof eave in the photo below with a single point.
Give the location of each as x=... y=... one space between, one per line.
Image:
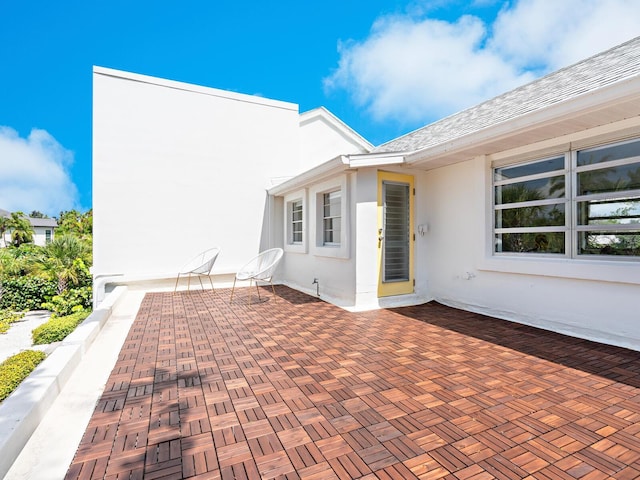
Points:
x=624 y=91
x=315 y=174
x=335 y=166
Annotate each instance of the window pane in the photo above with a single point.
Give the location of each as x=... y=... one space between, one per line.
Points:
x=609 y=212
x=332 y=204
x=331 y=220
x=609 y=243
x=607 y=154
x=550 y=242
x=613 y=179
x=549 y=165
x=543 y=188
x=538 y=216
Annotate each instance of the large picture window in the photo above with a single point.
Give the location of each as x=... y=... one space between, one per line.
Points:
x=582 y=203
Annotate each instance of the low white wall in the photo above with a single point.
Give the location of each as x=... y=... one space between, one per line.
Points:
x=179 y=168
x=545 y=293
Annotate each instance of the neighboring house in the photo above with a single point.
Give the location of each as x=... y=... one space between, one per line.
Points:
x=525 y=207
x=43 y=229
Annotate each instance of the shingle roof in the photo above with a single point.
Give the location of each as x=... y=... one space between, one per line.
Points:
x=43 y=222
x=618 y=63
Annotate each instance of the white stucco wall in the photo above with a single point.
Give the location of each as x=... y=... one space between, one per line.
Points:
x=179 y=168
x=594 y=299
x=351 y=279
x=333 y=267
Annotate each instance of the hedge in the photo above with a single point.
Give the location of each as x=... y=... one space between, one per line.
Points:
x=15 y=369
x=26 y=293
x=58 y=328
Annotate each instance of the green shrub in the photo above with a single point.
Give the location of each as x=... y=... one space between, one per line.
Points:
x=70 y=301
x=26 y=293
x=7 y=317
x=57 y=328
x=15 y=369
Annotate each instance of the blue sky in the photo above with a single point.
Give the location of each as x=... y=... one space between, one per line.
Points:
x=383 y=67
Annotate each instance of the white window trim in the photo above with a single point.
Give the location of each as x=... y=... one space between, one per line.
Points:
x=560 y=266
x=289 y=246
x=316 y=207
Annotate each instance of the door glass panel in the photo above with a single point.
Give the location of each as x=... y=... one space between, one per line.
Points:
x=396 y=232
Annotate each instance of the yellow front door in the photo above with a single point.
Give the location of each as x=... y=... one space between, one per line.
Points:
x=395 y=234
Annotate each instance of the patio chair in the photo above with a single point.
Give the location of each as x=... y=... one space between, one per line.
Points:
x=201 y=265
x=260 y=268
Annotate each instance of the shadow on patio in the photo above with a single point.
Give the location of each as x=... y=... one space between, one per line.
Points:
x=298 y=388
x=614 y=363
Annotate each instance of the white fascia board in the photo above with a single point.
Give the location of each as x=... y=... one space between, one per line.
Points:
x=619 y=92
x=189 y=87
x=311 y=176
x=337 y=124
x=376 y=159
x=335 y=166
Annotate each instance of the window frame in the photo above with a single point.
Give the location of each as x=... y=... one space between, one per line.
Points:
x=570 y=201
x=289 y=244
x=326 y=203
x=318 y=247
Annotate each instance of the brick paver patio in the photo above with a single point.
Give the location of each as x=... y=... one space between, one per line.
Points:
x=298 y=388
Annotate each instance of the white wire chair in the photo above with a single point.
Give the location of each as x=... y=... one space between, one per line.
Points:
x=201 y=265
x=260 y=268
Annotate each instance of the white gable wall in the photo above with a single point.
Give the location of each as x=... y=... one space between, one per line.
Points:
x=179 y=168
x=323 y=137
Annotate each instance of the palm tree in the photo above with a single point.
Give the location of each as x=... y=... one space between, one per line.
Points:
x=66 y=259
x=21 y=229
x=5 y=223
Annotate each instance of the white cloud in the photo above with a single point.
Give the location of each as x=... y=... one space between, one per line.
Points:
x=34 y=173
x=414 y=68
x=555 y=34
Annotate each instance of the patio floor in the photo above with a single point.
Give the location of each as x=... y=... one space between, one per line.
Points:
x=298 y=388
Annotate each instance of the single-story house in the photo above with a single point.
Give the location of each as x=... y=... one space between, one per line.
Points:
x=525 y=207
x=43 y=229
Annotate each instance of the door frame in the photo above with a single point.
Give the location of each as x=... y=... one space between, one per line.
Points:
x=386 y=289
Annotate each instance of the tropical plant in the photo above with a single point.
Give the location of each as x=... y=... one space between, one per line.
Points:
x=21 y=229
x=67 y=260
x=70 y=301
x=76 y=223
x=5 y=223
